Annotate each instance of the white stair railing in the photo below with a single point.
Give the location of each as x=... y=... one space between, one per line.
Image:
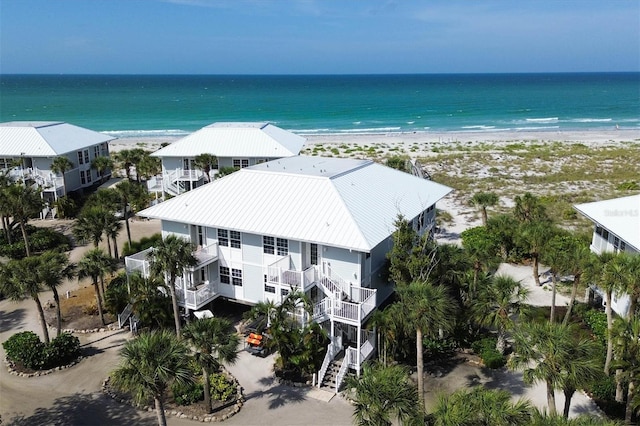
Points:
x=350 y=357
x=124 y=316
x=328 y=357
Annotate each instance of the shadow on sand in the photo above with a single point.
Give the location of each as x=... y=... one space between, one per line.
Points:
x=12 y=320
x=279 y=395
x=82 y=409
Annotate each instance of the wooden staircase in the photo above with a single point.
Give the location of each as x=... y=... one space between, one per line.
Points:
x=328 y=382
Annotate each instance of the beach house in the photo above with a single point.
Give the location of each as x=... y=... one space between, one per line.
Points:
x=28 y=149
x=616 y=229
x=235 y=145
x=316 y=224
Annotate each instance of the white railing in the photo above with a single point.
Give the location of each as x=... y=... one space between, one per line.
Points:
x=124 y=316
x=368 y=305
x=368 y=339
x=360 y=294
x=350 y=357
x=195 y=298
x=206 y=254
x=322 y=310
x=139 y=262
x=328 y=357
x=280 y=272
x=337 y=280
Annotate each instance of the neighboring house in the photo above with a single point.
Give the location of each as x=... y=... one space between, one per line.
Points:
x=321 y=225
x=27 y=150
x=616 y=229
x=237 y=145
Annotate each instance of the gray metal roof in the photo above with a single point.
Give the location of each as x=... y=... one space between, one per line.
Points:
x=621 y=216
x=45 y=138
x=338 y=202
x=236 y=139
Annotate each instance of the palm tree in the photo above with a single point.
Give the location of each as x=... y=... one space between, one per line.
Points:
x=632 y=284
x=528 y=209
x=481 y=406
x=24 y=202
x=20 y=279
x=215 y=341
x=61 y=165
x=551 y=353
x=534 y=237
x=170 y=258
x=482 y=248
x=205 y=162
x=497 y=304
x=96 y=264
x=383 y=394
x=150 y=364
x=148 y=166
x=128 y=191
x=482 y=200
x=608 y=271
x=54 y=268
x=90 y=224
x=430 y=311
x=127 y=157
x=626 y=336
x=102 y=164
x=112 y=228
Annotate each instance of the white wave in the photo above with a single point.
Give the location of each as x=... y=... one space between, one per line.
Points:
x=371 y=130
x=590 y=120
x=357 y=123
x=542 y=120
x=146 y=133
x=303 y=131
x=411 y=122
x=479 y=127
x=518 y=129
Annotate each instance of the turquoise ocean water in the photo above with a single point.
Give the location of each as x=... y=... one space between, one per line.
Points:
x=155 y=105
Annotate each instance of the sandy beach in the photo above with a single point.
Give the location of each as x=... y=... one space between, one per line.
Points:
x=426 y=141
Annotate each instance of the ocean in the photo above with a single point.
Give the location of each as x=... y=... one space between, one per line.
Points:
x=176 y=105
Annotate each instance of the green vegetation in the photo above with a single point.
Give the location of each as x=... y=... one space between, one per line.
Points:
x=27 y=351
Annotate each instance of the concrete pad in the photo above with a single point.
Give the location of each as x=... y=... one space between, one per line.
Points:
x=320 y=394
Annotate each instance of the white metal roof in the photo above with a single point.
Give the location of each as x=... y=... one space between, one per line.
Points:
x=621 y=216
x=45 y=138
x=229 y=139
x=338 y=202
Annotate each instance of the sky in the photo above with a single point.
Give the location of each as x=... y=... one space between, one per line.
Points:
x=317 y=36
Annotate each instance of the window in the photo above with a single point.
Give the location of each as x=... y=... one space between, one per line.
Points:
x=268 y=245
x=86 y=156
x=240 y=163
x=431 y=207
x=224 y=275
x=314 y=254
x=283 y=246
x=421 y=220
x=236 y=277
x=284 y=292
x=605 y=234
x=89 y=176
x=268 y=288
x=83 y=179
x=96 y=151
x=261 y=160
x=5 y=163
x=80 y=158
x=223 y=237
x=234 y=236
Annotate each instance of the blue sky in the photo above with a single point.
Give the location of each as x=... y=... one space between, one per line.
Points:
x=317 y=36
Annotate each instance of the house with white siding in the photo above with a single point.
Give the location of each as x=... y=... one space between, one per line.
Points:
x=27 y=150
x=320 y=225
x=235 y=144
x=616 y=228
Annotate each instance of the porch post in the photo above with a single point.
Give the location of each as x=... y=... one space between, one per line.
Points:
x=359 y=344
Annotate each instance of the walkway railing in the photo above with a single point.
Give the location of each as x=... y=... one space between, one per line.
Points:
x=350 y=357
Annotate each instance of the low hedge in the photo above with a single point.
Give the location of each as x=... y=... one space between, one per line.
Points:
x=26 y=349
x=486 y=349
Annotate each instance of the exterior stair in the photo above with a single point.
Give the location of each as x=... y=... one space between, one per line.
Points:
x=328 y=382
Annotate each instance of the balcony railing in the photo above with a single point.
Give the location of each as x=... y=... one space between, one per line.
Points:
x=280 y=272
x=199 y=296
x=349 y=312
x=139 y=262
x=206 y=255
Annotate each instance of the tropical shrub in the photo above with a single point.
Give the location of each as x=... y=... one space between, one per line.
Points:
x=597 y=322
x=187 y=393
x=40 y=239
x=435 y=348
x=25 y=348
x=221 y=388
x=117 y=294
x=486 y=349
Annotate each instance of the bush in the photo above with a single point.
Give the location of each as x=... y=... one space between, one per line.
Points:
x=221 y=388
x=486 y=349
x=40 y=239
x=61 y=351
x=438 y=348
x=26 y=348
x=597 y=322
x=116 y=296
x=187 y=394
x=604 y=388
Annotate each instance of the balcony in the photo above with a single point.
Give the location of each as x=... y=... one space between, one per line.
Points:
x=139 y=262
x=205 y=255
x=280 y=273
x=198 y=296
x=346 y=312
